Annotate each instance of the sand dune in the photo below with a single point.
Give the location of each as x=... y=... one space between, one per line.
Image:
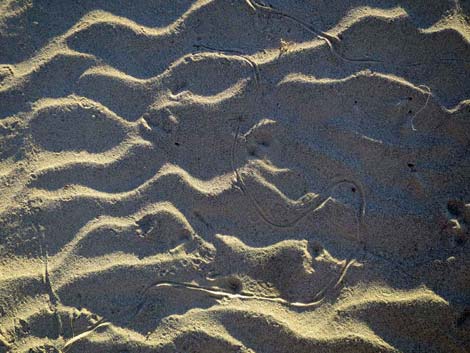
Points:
x=234 y=176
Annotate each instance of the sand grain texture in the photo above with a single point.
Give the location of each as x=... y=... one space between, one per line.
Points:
x=234 y=176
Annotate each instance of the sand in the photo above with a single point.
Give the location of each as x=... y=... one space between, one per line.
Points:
x=234 y=176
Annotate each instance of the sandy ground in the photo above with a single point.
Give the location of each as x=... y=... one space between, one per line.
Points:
x=234 y=176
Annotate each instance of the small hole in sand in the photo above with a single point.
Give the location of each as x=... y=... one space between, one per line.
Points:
x=353 y=189
x=177 y=143
x=410 y=98
x=455 y=207
x=234 y=284
x=251 y=150
x=316 y=248
x=410 y=112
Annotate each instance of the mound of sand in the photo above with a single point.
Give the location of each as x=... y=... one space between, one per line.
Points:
x=234 y=176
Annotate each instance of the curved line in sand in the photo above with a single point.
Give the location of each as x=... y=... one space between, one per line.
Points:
x=326 y=37
x=428 y=96
x=219 y=293
x=233 y=52
x=315 y=204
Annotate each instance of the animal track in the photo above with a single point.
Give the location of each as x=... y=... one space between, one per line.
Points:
x=290 y=212
x=326 y=37
x=235 y=53
x=219 y=293
x=116 y=134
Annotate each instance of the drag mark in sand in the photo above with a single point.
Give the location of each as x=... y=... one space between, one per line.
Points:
x=53 y=297
x=327 y=38
x=233 y=52
x=219 y=293
x=428 y=96
x=315 y=203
